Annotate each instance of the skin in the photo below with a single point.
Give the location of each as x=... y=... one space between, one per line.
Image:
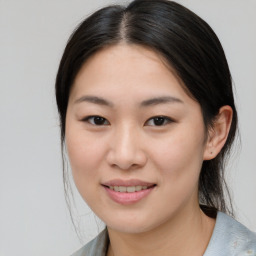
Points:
x=129 y=145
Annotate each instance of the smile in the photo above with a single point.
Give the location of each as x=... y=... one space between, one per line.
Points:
x=128 y=192
x=130 y=189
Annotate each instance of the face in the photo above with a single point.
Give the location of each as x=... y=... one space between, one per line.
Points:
x=135 y=139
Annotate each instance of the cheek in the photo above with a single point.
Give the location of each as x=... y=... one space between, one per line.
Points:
x=178 y=161
x=84 y=155
x=180 y=154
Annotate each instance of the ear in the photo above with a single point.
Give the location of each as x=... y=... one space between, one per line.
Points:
x=218 y=133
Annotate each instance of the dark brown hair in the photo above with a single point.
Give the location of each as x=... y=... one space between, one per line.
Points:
x=189 y=46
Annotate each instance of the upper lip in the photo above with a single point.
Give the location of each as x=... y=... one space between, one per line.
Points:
x=127 y=183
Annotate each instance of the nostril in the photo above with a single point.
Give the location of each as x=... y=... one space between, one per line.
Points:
x=125 y=159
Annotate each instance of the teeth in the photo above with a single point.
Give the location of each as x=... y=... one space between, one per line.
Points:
x=130 y=189
x=138 y=188
x=122 y=189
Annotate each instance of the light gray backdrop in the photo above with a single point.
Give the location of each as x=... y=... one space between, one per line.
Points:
x=33 y=216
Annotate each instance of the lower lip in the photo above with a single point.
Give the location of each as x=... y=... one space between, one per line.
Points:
x=127 y=198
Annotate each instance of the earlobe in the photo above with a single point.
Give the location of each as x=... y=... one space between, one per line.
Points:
x=218 y=133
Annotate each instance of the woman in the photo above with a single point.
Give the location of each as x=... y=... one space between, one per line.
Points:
x=147 y=114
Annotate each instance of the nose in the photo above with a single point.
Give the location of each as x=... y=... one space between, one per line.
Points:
x=126 y=149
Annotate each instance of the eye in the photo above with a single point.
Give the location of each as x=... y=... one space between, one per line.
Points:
x=159 y=121
x=96 y=120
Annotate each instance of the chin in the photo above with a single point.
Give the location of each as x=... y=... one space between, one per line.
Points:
x=133 y=225
x=129 y=229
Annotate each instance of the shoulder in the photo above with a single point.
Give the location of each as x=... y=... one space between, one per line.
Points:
x=231 y=238
x=97 y=247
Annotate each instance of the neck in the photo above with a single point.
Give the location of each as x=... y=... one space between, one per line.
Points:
x=186 y=234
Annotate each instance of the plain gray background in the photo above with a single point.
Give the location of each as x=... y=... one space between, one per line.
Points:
x=34 y=219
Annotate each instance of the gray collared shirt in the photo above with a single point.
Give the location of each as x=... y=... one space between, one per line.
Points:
x=229 y=238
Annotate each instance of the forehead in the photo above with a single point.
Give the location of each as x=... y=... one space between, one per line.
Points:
x=125 y=68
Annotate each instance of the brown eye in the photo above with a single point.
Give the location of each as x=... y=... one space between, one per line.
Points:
x=96 y=120
x=159 y=121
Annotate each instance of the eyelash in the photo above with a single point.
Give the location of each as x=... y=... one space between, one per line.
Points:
x=87 y=119
x=166 y=120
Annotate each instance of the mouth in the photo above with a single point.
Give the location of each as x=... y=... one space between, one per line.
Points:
x=129 y=189
x=128 y=192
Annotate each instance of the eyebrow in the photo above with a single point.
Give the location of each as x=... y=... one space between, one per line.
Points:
x=160 y=100
x=145 y=103
x=95 y=100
